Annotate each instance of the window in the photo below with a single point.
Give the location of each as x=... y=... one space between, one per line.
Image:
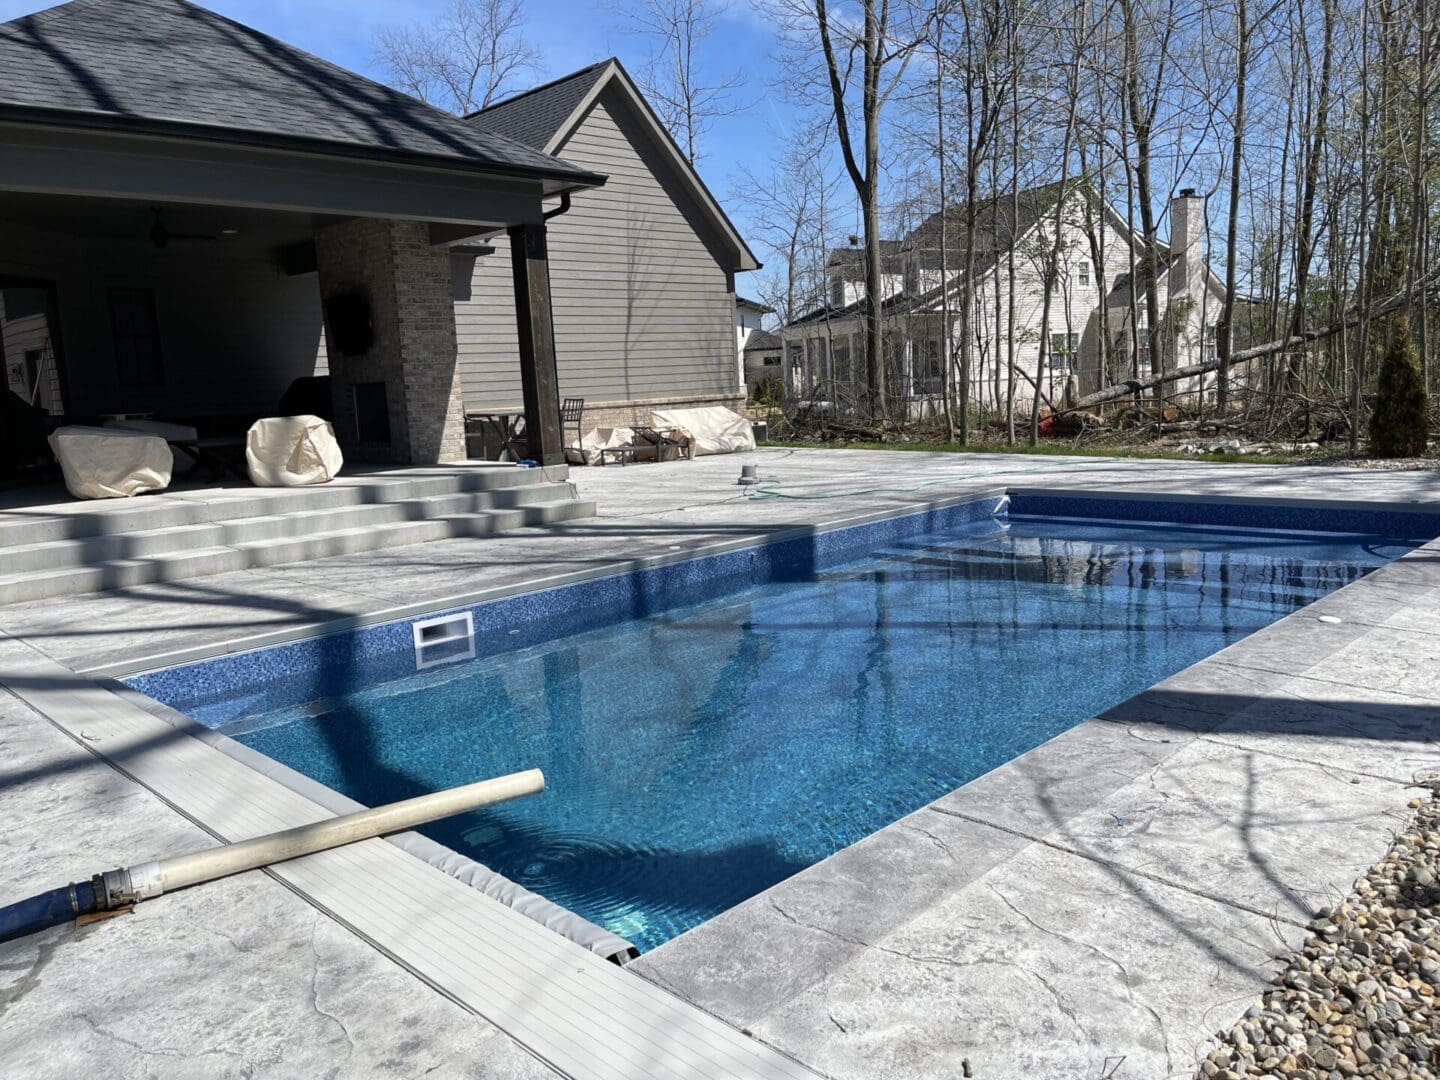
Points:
x=928 y=366
x=137 y=337
x=771 y=361
x=1210 y=353
x=932 y=359
x=1083 y=272
x=837 y=292
x=1063 y=348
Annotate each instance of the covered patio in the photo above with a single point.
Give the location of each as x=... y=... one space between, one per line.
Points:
x=193 y=216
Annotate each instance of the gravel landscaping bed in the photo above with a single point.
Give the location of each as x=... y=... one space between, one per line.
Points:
x=1359 y=998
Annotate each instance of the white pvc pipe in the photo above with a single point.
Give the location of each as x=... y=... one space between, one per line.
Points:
x=150 y=879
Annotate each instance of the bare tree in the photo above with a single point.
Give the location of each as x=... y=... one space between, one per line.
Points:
x=1143 y=97
x=1225 y=331
x=787 y=215
x=473 y=54
x=673 y=79
x=860 y=64
x=983 y=31
x=1315 y=119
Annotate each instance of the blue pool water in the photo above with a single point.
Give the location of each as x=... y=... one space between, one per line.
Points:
x=697 y=756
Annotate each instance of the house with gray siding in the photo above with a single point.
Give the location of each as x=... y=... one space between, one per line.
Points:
x=642 y=270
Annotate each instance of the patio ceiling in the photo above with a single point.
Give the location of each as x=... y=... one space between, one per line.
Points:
x=235 y=230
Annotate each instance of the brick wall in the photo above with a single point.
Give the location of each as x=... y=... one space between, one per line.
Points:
x=407 y=282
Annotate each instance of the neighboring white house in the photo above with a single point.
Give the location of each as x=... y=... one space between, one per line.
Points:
x=1098 y=254
x=748 y=316
x=762 y=359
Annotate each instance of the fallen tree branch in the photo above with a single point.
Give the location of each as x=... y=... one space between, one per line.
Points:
x=1129 y=388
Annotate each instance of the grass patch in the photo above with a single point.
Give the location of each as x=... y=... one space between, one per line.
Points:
x=1052 y=449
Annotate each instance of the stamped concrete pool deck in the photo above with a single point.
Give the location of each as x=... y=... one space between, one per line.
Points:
x=1095 y=908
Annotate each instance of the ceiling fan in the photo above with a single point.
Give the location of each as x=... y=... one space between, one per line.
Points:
x=161 y=236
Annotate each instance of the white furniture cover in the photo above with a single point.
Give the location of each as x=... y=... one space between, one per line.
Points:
x=597 y=439
x=713 y=430
x=106 y=463
x=169 y=432
x=292 y=451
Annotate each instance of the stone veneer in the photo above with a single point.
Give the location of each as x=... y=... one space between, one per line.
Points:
x=407 y=280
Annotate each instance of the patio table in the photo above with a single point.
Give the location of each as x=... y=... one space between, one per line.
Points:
x=210 y=452
x=509 y=427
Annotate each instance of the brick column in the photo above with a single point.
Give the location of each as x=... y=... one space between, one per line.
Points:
x=406 y=282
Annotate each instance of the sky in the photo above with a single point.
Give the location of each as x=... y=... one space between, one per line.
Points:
x=570 y=34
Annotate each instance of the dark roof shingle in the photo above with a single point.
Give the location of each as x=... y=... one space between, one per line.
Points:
x=534 y=116
x=170 y=65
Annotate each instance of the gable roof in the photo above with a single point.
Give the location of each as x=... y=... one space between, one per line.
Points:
x=535 y=116
x=999 y=221
x=548 y=115
x=171 y=67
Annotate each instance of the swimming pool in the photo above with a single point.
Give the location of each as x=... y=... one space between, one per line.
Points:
x=700 y=749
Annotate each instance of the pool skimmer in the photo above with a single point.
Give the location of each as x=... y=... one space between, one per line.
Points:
x=447 y=639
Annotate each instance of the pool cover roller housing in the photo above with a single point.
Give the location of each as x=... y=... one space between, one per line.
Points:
x=119 y=888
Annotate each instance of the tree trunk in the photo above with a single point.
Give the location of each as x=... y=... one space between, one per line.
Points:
x=1225 y=331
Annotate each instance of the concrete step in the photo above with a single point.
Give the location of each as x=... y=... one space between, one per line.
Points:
x=119 y=574
x=171 y=509
x=352 y=541
x=86 y=550
x=201 y=559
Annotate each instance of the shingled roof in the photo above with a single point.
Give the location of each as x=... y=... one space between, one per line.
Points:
x=171 y=67
x=534 y=116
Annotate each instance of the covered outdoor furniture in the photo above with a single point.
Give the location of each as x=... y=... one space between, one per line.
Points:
x=292 y=451
x=672 y=444
x=596 y=445
x=177 y=435
x=108 y=463
x=713 y=430
x=626 y=445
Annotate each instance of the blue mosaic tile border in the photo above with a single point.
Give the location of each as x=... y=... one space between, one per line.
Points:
x=1394 y=524
x=225 y=688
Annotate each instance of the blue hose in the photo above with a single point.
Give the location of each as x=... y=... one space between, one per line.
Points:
x=48 y=909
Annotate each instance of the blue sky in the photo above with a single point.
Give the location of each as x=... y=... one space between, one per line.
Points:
x=570 y=35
